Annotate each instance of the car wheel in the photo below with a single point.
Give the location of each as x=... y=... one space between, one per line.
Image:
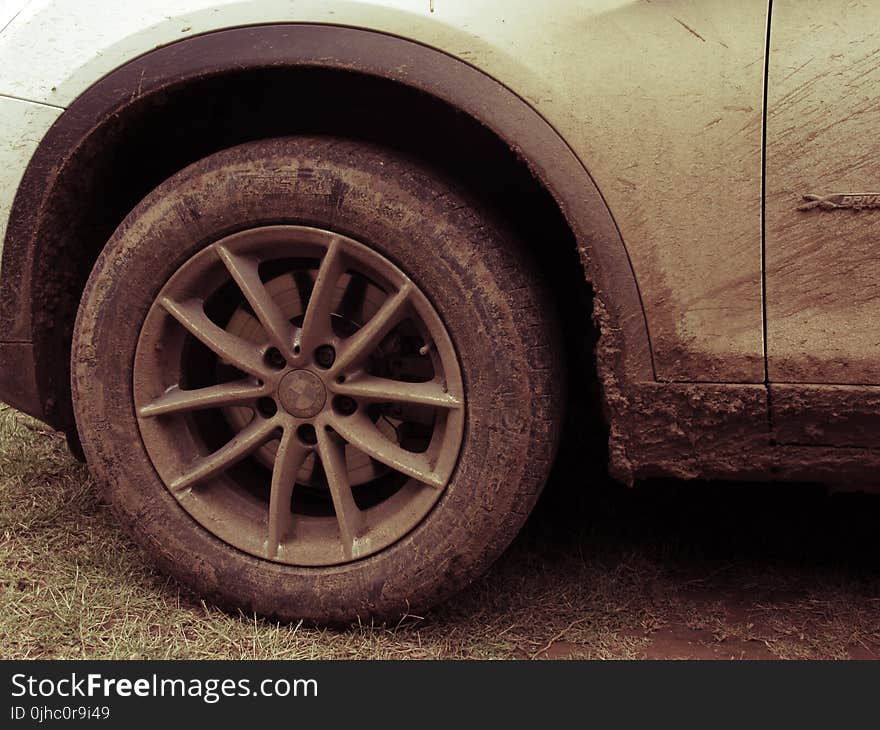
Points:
x=316 y=381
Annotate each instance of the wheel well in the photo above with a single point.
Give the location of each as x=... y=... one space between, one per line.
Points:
x=134 y=151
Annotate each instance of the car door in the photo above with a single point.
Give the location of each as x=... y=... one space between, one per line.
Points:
x=822 y=221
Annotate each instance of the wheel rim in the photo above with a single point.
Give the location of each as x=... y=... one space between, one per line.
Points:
x=299 y=395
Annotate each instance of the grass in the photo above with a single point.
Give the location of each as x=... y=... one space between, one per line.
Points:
x=664 y=570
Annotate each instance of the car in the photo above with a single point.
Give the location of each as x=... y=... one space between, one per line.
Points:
x=315 y=288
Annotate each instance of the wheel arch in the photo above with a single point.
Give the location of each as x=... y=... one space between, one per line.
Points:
x=55 y=230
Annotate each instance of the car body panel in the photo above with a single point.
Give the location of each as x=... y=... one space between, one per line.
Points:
x=24 y=124
x=9 y=9
x=823 y=268
x=661 y=102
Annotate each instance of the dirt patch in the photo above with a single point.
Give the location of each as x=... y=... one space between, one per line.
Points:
x=563 y=650
x=664 y=570
x=680 y=642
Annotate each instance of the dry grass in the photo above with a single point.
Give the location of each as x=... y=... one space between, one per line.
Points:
x=665 y=570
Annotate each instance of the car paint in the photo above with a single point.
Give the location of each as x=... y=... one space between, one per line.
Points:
x=9 y=9
x=823 y=271
x=24 y=123
x=661 y=101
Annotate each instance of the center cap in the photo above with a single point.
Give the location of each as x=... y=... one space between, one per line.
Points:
x=302 y=394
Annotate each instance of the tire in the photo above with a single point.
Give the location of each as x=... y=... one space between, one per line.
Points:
x=478 y=284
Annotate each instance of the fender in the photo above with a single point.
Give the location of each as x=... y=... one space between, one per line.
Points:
x=625 y=349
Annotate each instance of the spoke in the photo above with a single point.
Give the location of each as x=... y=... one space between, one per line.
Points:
x=383 y=390
x=245 y=271
x=362 y=343
x=349 y=517
x=288 y=461
x=243 y=444
x=176 y=400
x=238 y=352
x=317 y=328
x=362 y=433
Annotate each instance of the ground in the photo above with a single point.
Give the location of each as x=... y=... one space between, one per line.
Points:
x=663 y=570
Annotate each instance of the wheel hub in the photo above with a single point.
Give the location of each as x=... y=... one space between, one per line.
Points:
x=302 y=394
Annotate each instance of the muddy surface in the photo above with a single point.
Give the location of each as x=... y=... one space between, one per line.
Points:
x=669 y=570
x=719 y=570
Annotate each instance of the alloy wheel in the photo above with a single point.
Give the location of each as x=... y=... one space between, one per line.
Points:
x=298 y=395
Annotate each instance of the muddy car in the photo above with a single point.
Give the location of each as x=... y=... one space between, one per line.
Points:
x=306 y=284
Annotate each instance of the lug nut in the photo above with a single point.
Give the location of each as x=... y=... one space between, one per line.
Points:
x=325 y=355
x=274 y=359
x=344 y=405
x=307 y=434
x=267 y=407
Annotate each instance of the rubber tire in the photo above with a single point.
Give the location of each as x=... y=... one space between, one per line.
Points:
x=476 y=275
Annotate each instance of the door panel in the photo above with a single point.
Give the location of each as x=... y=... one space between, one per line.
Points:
x=823 y=255
x=669 y=96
